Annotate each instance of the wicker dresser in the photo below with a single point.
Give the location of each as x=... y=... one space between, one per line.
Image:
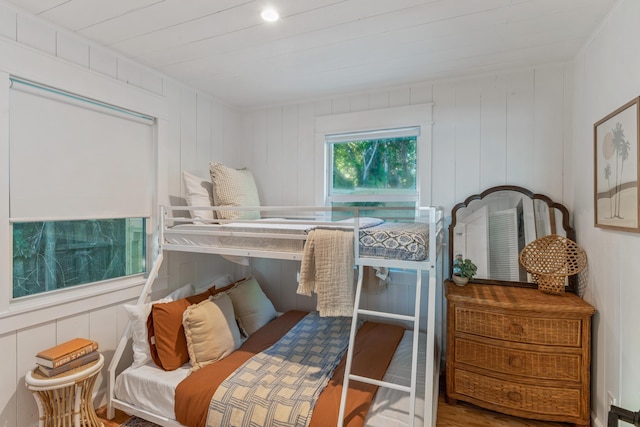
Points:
x=519 y=351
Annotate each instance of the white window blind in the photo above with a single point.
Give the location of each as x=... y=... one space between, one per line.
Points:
x=75 y=158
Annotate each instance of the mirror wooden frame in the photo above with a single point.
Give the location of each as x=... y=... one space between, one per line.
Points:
x=568 y=229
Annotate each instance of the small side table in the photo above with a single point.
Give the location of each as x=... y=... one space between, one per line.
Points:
x=66 y=399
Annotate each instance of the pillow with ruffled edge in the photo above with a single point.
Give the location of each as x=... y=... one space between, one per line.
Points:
x=234 y=187
x=252 y=306
x=199 y=193
x=165 y=332
x=211 y=331
x=138 y=314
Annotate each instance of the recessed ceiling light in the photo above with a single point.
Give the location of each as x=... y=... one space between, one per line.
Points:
x=270 y=15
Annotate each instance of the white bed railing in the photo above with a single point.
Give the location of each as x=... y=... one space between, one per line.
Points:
x=303 y=219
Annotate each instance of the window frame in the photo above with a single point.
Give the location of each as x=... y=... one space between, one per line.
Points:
x=417 y=115
x=333 y=139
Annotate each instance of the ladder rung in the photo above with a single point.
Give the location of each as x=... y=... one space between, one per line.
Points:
x=387 y=315
x=380 y=383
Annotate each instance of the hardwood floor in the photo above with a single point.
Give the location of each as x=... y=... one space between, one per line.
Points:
x=460 y=415
x=467 y=415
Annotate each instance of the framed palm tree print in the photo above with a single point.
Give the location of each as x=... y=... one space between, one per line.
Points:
x=616 y=190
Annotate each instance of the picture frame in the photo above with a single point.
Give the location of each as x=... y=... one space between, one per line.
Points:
x=616 y=189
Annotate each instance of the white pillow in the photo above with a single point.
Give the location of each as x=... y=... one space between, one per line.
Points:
x=138 y=314
x=218 y=281
x=211 y=330
x=234 y=187
x=199 y=193
x=252 y=307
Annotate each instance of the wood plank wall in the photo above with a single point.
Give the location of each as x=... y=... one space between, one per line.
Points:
x=504 y=128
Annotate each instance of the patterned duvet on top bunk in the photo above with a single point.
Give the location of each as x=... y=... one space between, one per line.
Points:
x=407 y=241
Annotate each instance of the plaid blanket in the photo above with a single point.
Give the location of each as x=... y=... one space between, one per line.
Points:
x=279 y=386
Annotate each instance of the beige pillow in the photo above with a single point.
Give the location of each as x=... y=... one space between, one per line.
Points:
x=199 y=193
x=211 y=330
x=252 y=307
x=234 y=187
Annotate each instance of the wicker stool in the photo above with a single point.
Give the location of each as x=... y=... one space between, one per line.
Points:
x=66 y=399
x=551 y=259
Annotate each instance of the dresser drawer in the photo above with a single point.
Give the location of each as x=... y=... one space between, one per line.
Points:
x=534 y=330
x=532 y=399
x=529 y=364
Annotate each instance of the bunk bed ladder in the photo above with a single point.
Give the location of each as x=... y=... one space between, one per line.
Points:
x=415 y=319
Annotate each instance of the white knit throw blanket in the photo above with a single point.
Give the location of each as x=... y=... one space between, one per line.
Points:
x=327 y=270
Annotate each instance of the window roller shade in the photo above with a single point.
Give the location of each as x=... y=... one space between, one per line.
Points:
x=74 y=158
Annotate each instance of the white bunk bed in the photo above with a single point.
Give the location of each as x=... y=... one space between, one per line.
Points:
x=280 y=234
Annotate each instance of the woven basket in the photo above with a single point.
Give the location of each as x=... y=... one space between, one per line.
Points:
x=551 y=259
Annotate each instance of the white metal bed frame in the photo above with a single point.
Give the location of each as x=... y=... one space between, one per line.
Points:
x=433 y=264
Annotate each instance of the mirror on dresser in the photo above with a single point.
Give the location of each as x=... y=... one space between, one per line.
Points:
x=491 y=228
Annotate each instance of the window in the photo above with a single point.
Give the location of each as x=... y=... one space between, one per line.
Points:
x=80 y=189
x=376 y=168
x=52 y=255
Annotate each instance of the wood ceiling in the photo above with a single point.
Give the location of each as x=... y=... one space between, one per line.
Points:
x=323 y=47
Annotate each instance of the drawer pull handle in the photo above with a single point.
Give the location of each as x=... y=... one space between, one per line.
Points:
x=516 y=329
x=514 y=396
x=515 y=362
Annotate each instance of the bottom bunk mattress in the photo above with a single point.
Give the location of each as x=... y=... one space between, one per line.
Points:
x=151 y=389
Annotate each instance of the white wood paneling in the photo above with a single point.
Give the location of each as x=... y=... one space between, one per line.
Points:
x=203 y=135
x=217 y=124
x=73 y=49
x=548 y=133
x=31 y=33
x=445 y=192
x=482 y=126
x=7 y=22
x=289 y=162
x=174 y=167
x=129 y=72
x=188 y=130
x=151 y=81
x=327 y=47
x=493 y=132
x=306 y=152
x=467 y=141
x=71 y=327
x=520 y=123
x=274 y=157
x=103 y=328
x=78 y=15
x=103 y=61
x=9 y=378
x=29 y=342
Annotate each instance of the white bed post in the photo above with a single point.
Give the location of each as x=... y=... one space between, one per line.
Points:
x=115 y=360
x=352 y=339
x=433 y=349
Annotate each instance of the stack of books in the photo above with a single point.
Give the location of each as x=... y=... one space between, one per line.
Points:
x=66 y=356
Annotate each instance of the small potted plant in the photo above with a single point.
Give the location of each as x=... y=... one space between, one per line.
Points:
x=463 y=270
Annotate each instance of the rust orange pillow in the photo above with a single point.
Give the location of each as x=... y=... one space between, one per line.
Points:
x=165 y=333
x=167 y=343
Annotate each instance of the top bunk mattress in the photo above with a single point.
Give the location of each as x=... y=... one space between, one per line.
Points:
x=377 y=239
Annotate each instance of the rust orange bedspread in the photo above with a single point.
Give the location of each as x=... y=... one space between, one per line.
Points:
x=374 y=348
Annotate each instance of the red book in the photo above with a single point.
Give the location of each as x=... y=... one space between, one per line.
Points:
x=66 y=352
